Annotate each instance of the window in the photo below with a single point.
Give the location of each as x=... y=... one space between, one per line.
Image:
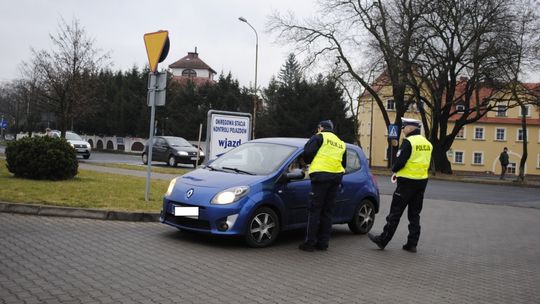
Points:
x=511 y=169
x=353 y=161
x=500 y=134
x=460 y=108
x=478 y=158
x=458 y=157
x=538 y=161
x=501 y=111
x=390 y=105
x=461 y=133
x=189 y=73
x=479 y=133
x=525 y=111
x=299 y=163
x=521 y=135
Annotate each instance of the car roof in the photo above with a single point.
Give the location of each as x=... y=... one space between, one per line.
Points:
x=291 y=141
x=170 y=137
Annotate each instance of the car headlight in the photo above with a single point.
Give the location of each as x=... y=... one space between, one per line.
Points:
x=230 y=195
x=88 y=146
x=72 y=145
x=201 y=153
x=171 y=186
x=183 y=153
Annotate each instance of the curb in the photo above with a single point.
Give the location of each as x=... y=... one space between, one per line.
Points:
x=42 y=210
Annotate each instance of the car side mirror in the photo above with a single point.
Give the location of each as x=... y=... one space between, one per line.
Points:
x=295 y=174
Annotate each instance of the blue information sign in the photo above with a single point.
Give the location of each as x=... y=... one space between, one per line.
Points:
x=393 y=131
x=3 y=124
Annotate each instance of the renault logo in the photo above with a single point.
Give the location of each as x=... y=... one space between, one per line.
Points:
x=189 y=193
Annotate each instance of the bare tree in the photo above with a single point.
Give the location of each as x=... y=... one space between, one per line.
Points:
x=524 y=42
x=435 y=54
x=63 y=73
x=352 y=34
x=457 y=74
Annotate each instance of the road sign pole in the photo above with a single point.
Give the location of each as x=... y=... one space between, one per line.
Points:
x=2 y=127
x=150 y=144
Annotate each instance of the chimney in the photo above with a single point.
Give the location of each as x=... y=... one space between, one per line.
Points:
x=193 y=55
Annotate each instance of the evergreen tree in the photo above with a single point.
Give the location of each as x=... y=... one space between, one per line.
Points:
x=294 y=105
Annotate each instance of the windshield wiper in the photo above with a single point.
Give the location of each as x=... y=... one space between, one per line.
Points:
x=238 y=170
x=214 y=168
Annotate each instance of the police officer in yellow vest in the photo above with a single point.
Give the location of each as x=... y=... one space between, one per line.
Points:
x=326 y=154
x=411 y=170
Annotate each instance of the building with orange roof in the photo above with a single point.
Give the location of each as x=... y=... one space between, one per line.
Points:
x=478 y=145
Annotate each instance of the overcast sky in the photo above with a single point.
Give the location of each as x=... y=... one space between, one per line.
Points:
x=118 y=26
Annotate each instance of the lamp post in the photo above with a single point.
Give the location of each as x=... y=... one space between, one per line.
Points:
x=256 y=60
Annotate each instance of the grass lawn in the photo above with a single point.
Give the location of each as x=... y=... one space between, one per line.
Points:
x=87 y=190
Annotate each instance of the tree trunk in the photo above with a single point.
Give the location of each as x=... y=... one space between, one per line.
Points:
x=523 y=161
x=442 y=164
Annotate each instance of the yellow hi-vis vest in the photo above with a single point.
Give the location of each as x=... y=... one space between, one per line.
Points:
x=418 y=164
x=329 y=156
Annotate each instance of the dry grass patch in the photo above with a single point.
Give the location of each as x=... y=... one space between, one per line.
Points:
x=87 y=190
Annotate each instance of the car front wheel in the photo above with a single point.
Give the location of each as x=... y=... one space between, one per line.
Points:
x=144 y=159
x=262 y=228
x=172 y=161
x=364 y=217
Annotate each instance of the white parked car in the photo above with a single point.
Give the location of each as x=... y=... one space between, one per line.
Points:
x=80 y=145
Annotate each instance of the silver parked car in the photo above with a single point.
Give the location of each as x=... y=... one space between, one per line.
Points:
x=80 y=145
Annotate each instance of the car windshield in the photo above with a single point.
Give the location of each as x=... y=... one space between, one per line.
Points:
x=254 y=158
x=178 y=142
x=72 y=136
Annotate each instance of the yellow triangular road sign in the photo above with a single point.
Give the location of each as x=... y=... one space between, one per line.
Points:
x=154 y=46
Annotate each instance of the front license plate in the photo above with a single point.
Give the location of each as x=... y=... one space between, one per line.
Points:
x=186 y=211
x=193 y=158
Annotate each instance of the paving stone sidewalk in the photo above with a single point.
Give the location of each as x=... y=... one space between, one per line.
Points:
x=469 y=253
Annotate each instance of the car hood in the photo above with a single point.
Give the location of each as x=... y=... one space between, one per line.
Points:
x=78 y=142
x=217 y=179
x=184 y=148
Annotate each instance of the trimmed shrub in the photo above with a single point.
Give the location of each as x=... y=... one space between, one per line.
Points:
x=44 y=157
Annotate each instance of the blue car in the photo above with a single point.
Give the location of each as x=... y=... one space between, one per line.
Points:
x=261 y=188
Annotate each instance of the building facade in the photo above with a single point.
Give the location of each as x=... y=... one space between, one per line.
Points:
x=191 y=67
x=477 y=146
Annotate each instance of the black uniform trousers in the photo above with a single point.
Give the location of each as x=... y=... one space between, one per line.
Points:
x=321 y=206
x=409 y=193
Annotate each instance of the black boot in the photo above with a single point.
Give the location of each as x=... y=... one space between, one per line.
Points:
x=377 y=240
x=409 y=248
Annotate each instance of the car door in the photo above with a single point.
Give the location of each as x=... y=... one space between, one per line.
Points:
x=295 y=194
x=352 y=181
x=159 y=149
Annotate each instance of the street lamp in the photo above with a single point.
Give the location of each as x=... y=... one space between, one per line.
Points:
x=256 y=59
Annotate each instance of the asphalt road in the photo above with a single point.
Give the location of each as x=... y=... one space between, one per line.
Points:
x=473 y=192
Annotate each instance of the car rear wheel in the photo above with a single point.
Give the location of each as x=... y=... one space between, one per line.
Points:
x=364 y=217
x=144 y=159
x=262 y=228
x=172 y=161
